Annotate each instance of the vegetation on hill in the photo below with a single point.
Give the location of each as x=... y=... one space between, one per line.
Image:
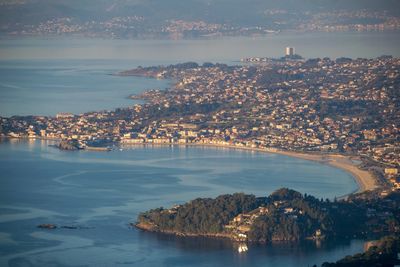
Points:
x=286 y=215
x=291 y=216
x=384 y=254
x=202 y=215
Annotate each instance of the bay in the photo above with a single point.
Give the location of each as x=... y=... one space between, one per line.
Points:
x=47 y=87
x=104 y=192
x=44 y=76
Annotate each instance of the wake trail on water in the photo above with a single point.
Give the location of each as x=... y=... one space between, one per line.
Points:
x=11 y=86
x=60 y=179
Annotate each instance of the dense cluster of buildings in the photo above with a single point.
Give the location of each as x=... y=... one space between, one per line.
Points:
x=178 y=28
x=127 y=26
x=358 y=20
x=323 y=105
x=137 y=26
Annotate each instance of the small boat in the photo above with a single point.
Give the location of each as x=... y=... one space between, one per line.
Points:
x=242 y=248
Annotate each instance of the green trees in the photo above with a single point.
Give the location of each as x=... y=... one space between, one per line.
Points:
x=286 y=215
x=202 y=215
x=292 y=217
x=384 y=254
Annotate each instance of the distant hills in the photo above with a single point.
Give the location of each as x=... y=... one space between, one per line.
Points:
x=25 y=15
x=219 y=11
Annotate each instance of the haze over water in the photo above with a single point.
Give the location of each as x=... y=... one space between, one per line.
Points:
x=153 y=52
x=47 y=87
x=47 y=76
x=106 y=191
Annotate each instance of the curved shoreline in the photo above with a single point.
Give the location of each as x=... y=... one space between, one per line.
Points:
x=365 y=180
x=148 y=228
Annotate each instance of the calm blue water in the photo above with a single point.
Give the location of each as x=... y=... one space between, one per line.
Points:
x=106 y=191
x=309 y=45
x=46 y=87
x=47 y=76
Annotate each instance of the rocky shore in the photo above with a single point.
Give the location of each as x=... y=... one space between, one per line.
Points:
x=152 y=228
x=68 y=145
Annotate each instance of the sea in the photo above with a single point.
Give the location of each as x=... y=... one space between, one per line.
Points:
x=96 y=195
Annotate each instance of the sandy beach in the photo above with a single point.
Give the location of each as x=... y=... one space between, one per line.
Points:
x=365 y=180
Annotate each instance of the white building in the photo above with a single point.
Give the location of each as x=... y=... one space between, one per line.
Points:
x=289 y=51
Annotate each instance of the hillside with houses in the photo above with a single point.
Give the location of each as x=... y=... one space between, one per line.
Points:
x=285 y=215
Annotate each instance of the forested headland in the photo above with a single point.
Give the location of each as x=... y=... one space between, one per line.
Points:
x=285 y=215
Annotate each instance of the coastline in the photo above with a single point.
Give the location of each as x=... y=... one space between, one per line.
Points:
x=365 y=180
x=148 y=228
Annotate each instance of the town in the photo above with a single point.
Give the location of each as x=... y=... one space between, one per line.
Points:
x=344 y=106
x=138 y=26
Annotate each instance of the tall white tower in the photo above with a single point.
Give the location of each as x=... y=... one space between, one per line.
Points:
x=289 y=51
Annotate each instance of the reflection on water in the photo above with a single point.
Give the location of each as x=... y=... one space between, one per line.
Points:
x=104 y=192
x=250 y=254
x=242 y=248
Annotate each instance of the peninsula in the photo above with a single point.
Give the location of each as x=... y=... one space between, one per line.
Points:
x=343 y=112
x=285 y=215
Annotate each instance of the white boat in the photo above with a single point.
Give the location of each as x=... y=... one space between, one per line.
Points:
x=242 y=248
